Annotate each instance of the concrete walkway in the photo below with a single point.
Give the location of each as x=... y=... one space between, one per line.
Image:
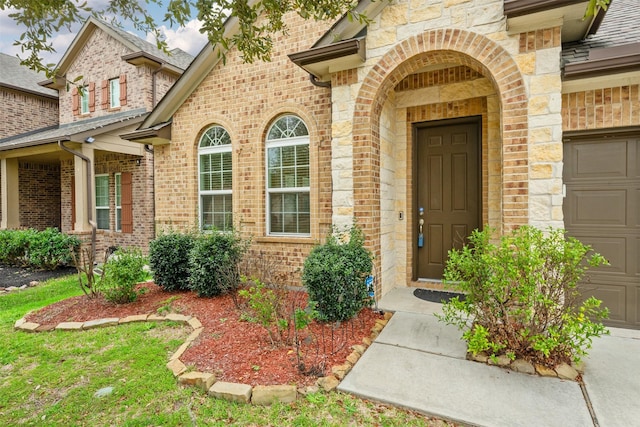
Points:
x=419 y=363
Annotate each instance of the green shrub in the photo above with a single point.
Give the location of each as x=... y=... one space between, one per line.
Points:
x=46 y=249
x=521 y=295
x=213 y=263
x=266 y=307
x=14 y=246
x=169 y=260
x=334 y=275
x=122 y=271
x=50 y=249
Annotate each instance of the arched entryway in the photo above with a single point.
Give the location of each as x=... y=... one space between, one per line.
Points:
x=485 y=87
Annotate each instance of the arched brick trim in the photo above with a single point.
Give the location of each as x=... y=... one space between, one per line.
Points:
x=439 y=47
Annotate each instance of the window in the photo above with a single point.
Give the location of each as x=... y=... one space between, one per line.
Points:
x=288 y=199
x=114 y=93
x=215 y=179
x=102 y=201
x=84 y=100
x=118 y=194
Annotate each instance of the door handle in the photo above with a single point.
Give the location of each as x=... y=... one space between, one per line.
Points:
x=420 y=224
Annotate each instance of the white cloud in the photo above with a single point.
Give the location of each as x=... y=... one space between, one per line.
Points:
x=187 y=38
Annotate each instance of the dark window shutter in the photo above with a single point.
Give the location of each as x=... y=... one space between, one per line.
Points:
x=126 y=202
x=73 y=203
x=92 y=97
x=104 y=93
x=75 y=101
x=123 y=89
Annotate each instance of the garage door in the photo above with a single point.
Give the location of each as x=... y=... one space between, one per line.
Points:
x=601 y=208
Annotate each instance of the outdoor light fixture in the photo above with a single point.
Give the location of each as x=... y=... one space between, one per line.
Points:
x=89 y=139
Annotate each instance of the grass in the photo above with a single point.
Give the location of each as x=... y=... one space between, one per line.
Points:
x=50 y=379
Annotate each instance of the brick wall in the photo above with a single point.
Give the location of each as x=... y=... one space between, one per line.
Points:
x=94 y=66
x=22 y=112
x=245 y=99
x=39 y=195
x=601 y=108
x=112 y=163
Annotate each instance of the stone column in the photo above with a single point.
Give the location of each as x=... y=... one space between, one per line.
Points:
x=80 y=182
x=342 y=156
x=10 y=194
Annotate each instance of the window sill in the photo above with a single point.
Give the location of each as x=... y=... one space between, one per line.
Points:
x=307 y=240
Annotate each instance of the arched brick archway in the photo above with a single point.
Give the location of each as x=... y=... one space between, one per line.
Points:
x=444 y=46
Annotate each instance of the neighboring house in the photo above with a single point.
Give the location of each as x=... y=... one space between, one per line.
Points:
x=439 y=116
x=22 y=97
x=79 y=175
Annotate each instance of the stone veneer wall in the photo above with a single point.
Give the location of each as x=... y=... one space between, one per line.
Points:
x=39 y=195
x=524 y=72
x=245 y=99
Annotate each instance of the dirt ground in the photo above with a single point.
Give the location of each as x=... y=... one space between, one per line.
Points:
x=14 y=276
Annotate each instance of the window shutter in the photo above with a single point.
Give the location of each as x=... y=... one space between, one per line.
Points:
x=126 y=201
x=123 y=89
x=104 y=93
x=73 y=203
x=75 y=101
x=92 y=97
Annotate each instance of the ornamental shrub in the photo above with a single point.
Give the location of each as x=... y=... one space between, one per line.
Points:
x=46 y=249
x=334 y=274
x=521 y=295
x=14 y=247
x=213 y=263
x=50 y=249
x=123 y=270
x=169 y=260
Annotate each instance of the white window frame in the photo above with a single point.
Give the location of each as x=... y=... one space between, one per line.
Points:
x=102 y=207
x=118 y=200
x=216 y=149
x=114 y=93
x=84 y=100
x=279 y=143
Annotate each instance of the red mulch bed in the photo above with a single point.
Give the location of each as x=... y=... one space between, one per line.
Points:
x=236 y=350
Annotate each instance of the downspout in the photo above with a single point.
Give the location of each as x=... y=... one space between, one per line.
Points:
x=314 y=80
x=92 y=223
x=153 y=172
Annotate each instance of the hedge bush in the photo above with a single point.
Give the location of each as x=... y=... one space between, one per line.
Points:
x=46 y=249
x=122 y=271
x=334 y=274
x=213 y=263
x=169 y=260
x=50 y=248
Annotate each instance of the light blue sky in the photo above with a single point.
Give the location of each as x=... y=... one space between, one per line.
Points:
x=186 y=38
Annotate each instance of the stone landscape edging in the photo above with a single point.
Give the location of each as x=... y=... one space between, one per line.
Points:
x=207 y=382
x=564 y=371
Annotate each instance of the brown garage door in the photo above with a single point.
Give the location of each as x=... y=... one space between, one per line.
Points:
x=601 y=208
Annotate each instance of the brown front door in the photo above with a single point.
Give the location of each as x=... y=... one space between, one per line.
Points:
x=447 y=191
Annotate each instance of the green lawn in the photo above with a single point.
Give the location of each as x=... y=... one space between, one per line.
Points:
x=49 y=379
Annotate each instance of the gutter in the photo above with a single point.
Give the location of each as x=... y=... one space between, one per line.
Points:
x=87 y=162
x=605 y=61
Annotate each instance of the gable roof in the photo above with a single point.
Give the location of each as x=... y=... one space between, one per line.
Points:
x=615 y=47
x=18 y=77
x=177 y=59
x=211 y=55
